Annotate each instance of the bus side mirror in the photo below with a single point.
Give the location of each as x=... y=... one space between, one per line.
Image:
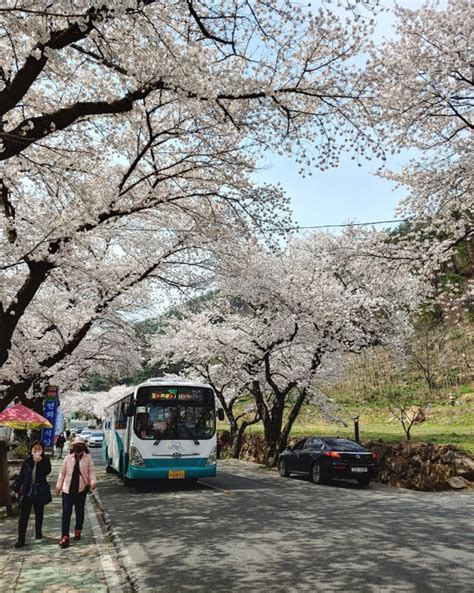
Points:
x=131 y=410
x=220 y=414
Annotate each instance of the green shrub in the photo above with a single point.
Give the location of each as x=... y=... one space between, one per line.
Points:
x=22 y=449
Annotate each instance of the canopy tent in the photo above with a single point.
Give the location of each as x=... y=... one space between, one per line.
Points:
x=22 y=418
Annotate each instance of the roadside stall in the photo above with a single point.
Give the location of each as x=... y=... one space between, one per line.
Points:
x=21 y=418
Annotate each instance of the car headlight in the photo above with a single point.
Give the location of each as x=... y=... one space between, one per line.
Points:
x=211 y=460
x=135 y=457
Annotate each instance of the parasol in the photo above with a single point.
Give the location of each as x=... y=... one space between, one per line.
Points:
x=22 y=418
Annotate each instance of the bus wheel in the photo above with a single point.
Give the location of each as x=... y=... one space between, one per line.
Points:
x=109 y=469
x=126 y=481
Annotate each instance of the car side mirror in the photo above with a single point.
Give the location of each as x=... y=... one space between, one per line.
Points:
x=220 y=414
x=131 y=410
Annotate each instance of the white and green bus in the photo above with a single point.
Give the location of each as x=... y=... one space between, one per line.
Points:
x=162 y=429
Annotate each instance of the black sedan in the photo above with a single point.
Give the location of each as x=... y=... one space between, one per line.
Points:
x=326 y=458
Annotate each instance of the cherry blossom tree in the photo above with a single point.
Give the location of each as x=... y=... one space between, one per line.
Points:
x=422 y=99
x=90 y=402
x=301 y=310
x=110 y=349
x=128 y=135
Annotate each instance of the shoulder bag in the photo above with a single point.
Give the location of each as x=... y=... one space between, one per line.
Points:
x=40 y=494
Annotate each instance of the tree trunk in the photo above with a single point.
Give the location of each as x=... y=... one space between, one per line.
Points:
x=5 y=498
x=238 y=441
x=234 y=429
x=272 y=430
x=293 y=415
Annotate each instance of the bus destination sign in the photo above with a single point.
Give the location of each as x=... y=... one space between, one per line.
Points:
x=169 y=394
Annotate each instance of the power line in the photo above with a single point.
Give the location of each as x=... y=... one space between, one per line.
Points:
x=295 y=228
x=333 y=226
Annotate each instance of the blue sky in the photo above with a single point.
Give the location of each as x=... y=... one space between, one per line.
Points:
x=349 y=193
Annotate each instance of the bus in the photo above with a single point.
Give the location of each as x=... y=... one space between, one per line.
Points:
x=162 y=428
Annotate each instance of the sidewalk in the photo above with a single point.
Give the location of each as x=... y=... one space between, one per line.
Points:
x=42 y=566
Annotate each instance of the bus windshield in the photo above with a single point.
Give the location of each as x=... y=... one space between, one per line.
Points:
x=165 y=413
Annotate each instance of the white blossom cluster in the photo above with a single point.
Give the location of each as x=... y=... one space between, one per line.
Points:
x=92 y=403
x=422 y=86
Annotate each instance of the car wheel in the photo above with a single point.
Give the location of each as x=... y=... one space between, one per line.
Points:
x=318 y=474
x=282 y=470
x=364 y=481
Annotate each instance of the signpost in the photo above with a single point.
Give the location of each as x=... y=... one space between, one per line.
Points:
x=50 y=410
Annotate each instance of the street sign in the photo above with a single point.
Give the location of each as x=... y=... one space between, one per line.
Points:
x=50 y=409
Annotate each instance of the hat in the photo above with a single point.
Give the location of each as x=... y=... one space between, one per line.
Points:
x=78 y=441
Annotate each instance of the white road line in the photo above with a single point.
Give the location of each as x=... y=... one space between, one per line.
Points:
x=216 y=488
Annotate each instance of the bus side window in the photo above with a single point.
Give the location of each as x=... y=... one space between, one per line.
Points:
x=121 y=417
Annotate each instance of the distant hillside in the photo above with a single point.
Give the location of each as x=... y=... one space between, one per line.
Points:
x=438 y=362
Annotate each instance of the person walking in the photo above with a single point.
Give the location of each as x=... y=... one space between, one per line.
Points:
x=76 y=478
x=60 y=441
x=34 y=470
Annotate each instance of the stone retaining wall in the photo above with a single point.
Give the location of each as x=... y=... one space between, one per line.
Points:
x=421 y=466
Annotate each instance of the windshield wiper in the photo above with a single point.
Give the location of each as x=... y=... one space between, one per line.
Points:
x=193 y=436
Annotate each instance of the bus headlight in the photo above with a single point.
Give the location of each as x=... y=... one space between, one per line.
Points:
x=135 y=457
x=211 y=460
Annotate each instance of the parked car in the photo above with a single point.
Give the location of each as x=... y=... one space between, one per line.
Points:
x=78 y=430
x=96 y=439
x=326 y=458
x=85 y=434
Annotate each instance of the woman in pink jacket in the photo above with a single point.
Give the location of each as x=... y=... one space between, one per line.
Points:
x=76 y=478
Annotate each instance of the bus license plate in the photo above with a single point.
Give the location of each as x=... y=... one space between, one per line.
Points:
x=359 y=469
x=176 y=474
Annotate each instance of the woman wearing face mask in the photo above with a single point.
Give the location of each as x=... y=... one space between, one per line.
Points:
x=76 y=478
x=34 y=470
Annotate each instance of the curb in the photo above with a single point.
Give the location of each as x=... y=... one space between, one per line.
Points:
x=124 y=559
x=109 y=567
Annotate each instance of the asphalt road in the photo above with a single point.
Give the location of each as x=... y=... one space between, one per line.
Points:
x=250 y=530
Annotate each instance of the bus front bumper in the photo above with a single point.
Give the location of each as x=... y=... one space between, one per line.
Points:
x=171 y=472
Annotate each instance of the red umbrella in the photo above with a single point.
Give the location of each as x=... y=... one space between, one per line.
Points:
x=21 y=418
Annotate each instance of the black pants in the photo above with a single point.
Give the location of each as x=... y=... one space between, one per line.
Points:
x=69 y=501
x=25 y=510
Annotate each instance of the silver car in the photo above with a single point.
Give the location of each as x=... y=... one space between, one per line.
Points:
x=95 y=439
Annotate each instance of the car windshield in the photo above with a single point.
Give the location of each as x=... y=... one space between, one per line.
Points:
x=97 y=434
x=344 y=445
x=164 y=413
